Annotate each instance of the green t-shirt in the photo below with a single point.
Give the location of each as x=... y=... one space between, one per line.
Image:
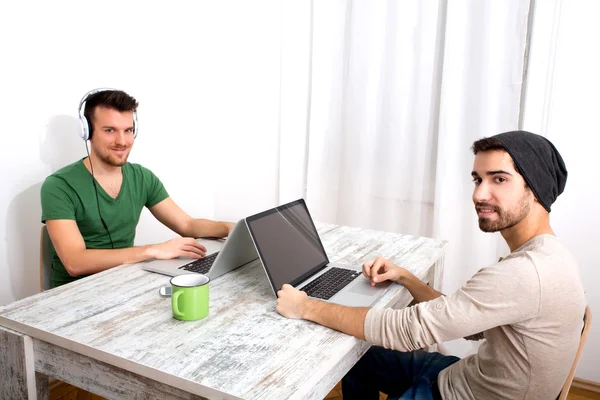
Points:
x=69 y=194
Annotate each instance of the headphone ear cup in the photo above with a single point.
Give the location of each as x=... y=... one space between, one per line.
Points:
x=89 y=130
x=85 y=128
x=135 y=125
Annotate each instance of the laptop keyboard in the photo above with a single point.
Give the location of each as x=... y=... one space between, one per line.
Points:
x=331 y=282
x=201 y=265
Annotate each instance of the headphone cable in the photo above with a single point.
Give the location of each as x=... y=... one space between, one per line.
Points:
x=97 y=200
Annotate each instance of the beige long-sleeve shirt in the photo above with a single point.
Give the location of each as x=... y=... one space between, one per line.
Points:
x=530 y=309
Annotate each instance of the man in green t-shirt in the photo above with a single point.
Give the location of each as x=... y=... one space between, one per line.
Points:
x=91 y=207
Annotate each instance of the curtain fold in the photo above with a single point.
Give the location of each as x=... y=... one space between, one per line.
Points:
x=372 y=147
x=399 y=91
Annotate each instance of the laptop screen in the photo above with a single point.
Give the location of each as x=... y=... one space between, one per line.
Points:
x=288 y=243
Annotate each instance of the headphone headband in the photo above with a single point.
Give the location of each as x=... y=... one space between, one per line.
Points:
x=85 y=124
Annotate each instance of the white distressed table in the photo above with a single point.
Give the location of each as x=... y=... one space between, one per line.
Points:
x=113 y=335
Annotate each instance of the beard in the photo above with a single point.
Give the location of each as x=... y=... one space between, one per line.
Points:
x=112 y=159
x=506 y=218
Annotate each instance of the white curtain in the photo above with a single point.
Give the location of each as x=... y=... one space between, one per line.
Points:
x=482 y=82
x=400 y=90
x=562 y=104
x=373 y=114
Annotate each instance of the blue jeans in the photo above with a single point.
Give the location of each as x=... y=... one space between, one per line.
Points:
x=404 y=376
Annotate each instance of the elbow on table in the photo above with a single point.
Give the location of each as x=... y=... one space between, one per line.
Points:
x=72 y=271
x=72 y=268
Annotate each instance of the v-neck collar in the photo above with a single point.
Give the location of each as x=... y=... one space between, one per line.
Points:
x=99 y=187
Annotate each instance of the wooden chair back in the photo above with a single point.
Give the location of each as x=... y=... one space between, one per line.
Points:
x=587 y=323
x=45 y=260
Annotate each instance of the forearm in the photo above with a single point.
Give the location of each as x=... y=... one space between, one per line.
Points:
x=90 y=261
x=419 y=290
x=205 y=228
x=350 y=320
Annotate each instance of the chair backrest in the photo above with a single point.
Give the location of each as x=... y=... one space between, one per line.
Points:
x=45 y=260
x=587 y=323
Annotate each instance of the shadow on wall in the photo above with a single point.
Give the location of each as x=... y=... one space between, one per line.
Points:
x=22 y=236
x=61 y=146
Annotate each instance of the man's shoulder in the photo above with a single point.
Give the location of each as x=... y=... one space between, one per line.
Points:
x=67 y=174
x=151 y=189
x=512 y=266
x=516 y=267
x=137 y=174
x=74 y=169
x=137 y=169
x=544 y=255
x=544 y=246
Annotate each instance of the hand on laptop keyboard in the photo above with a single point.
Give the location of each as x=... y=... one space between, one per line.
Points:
x=177 y=247
x=201 y=265
x=330 y=283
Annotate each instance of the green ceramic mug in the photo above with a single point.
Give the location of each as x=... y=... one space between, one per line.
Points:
x=189 y=298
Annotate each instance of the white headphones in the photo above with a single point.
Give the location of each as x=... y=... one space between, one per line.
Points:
x=85 y=125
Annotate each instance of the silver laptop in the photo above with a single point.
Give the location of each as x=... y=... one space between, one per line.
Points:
x=222 y=256
x=291 y=251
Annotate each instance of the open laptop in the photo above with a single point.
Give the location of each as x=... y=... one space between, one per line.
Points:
x=222 y=256
x=291 y=252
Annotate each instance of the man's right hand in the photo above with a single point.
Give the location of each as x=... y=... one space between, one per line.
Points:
x=381 y=270
x=178 y=247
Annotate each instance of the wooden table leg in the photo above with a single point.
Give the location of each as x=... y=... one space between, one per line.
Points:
x=438 y=276
x=434 y=278
x=18 y=379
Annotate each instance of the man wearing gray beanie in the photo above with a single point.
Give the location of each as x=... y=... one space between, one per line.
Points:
x=529 y=306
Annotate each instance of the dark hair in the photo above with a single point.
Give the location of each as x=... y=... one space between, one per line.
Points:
x=115 y=99
x=487 y=144
x=490 y=144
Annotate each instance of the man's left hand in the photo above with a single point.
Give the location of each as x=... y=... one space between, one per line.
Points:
x=291 y=302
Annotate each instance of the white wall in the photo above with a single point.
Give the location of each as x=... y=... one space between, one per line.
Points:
x=563 y=103
x=207 y=76
x=222 y=87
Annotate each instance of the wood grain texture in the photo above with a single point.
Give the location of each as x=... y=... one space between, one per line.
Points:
x=18 y=379
x=582 y=394
x=117 y=383
x=243 y=349
x=42 y=386
x=63 y=391
x=586 y=385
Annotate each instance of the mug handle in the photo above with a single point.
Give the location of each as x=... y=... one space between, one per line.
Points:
x=175 y=301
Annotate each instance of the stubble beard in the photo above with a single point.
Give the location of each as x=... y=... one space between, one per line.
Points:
x=506 y=219
x=112 y=160
x=115 y=161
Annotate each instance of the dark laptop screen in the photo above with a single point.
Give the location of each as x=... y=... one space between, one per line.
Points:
x=288 y=243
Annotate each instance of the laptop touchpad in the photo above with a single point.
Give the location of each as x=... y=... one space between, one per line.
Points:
x=364 y=287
